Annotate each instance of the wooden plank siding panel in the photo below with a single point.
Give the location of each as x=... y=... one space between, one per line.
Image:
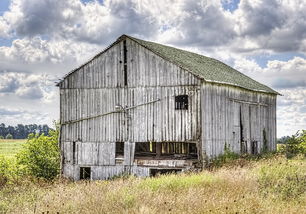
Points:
x=221 y=106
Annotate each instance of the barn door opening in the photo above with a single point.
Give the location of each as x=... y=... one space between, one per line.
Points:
x=245 y=127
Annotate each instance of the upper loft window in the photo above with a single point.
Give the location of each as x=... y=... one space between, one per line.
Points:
x=181 y=102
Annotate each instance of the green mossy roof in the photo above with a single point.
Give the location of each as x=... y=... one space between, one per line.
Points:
x=209 y=69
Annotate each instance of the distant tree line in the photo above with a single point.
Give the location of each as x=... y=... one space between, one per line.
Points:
x=22 y=131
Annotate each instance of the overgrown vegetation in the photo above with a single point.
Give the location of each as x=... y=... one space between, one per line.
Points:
x=283 y=178
x=262 y=186
x=267 y=183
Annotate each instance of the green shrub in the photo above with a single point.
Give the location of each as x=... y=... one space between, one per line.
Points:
x=40 y=155
x=1 y=137
x=9 y=136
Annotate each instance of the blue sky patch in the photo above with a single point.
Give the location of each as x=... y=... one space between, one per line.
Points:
x=230 y=5
x=262 y=60
x=86 y=1
x=6 y=42
x=4 y=6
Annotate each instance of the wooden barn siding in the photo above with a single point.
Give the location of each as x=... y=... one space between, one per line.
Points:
x=97 y=88
x=157 y=121
x=221 y=118
x=105 y=172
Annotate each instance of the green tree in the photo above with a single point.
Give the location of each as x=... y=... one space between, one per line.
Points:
x=40 y=155
x=9 y=136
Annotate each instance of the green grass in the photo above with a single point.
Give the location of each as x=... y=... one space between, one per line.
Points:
x=9 y=148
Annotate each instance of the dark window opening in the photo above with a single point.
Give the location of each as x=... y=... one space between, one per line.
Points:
x=243 y=147
x=73 y=152
x=193 y=151
x=181 y=102
x=85 y=173
x=125 y=62
x=173 y=150
x=254 y=147
x=119 y=149
x=156 y=172
x=145 y=148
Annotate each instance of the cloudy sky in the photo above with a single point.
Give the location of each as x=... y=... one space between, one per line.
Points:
x=41 y=40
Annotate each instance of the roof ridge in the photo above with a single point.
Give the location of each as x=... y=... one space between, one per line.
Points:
x=206 y=68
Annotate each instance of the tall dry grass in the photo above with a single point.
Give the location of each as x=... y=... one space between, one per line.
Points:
x=251 y=187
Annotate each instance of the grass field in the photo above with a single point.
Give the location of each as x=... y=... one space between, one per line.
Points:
x=270 y=185
x=9 y=148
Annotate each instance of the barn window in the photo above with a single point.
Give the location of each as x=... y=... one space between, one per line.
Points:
x=181 y=102
x=125 y=62
x=119 y=149
x=85 y=173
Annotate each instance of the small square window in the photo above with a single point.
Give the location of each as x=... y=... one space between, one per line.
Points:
x=181 y=102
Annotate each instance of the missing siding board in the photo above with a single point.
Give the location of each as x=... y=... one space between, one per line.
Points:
x=85 y=173
x=125 y=62
x=73 y=152
x=119 y=149
x=181 y=102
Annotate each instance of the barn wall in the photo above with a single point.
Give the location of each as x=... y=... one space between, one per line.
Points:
x=105 y=172
x=97 y=88
x=225 y=109
x=151 y=115
x=94 y=91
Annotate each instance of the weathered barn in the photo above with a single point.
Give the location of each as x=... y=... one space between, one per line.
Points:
x=140 y=107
